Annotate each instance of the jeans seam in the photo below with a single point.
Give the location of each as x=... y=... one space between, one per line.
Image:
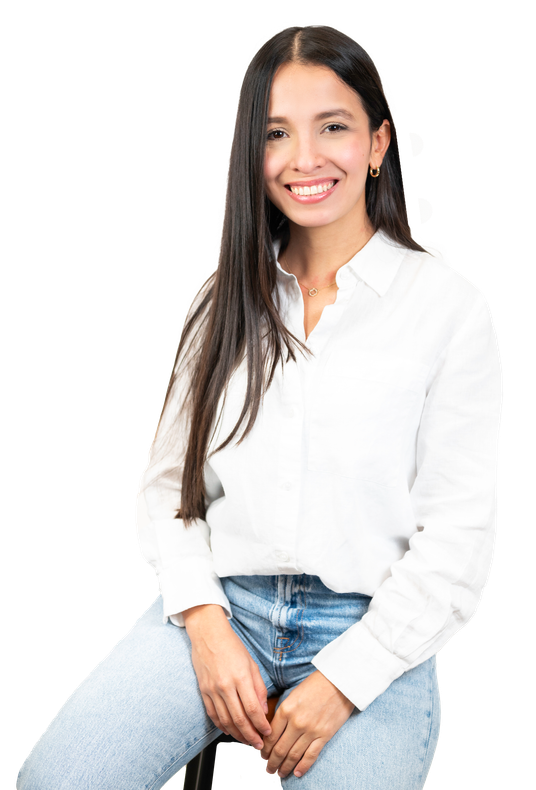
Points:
x=429 y=737
x=178 y=760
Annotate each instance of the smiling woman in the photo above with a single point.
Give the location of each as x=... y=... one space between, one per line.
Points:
x=299 y=77
x=326 y=555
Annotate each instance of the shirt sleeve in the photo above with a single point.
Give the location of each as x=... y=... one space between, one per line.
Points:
x=181 y=556
x=434 y=589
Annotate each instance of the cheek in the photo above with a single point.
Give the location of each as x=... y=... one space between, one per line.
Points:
x=353 y=158
x=270 y=166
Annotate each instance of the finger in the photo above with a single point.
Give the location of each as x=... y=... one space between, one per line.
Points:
x=260 y=690
x=262 y=696
x=283 y=764
x=295 y=754
x=253 y=708
x=217 y=711
x=279 y=755
x=279 y=727
x=233 y=717
x=301 y=764
x=224 y=720
x=212 y=713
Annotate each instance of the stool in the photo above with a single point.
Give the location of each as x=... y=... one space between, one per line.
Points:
x=200 y=769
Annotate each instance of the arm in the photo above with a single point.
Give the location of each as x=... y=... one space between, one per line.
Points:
x=193 y=597
x=181 y=556
x=435 y=588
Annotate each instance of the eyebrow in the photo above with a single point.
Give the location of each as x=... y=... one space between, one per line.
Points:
x=320 y=117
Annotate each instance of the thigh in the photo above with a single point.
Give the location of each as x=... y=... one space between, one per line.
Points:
x=135 y=721
x=389 y=745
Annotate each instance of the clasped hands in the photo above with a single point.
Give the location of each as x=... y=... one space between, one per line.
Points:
x=303 y=723
x=235 y=697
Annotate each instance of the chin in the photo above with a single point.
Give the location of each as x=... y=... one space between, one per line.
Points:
x=312 y=219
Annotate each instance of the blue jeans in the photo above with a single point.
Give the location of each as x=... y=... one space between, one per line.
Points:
x=139 y=716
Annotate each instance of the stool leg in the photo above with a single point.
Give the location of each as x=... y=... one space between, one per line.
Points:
x=200 y=769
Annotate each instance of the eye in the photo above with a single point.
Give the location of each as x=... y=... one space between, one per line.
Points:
x=274 y=131
x=338 y=126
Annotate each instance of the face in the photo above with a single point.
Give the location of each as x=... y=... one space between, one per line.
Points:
x=319 y=147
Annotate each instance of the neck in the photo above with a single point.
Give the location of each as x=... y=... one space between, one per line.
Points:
x=315 y=254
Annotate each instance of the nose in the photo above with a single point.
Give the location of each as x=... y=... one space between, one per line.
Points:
x=307 y=155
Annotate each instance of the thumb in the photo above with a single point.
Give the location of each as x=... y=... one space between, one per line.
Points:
x=260 y=688
x=262 y=697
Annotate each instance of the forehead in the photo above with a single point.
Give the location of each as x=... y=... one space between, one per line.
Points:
x=306 y=90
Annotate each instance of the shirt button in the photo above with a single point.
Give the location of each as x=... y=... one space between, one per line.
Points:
x=289 y=412
x=282 y=555
x=287 y=486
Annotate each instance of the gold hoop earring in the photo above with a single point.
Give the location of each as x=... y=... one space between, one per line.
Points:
x=376 y=174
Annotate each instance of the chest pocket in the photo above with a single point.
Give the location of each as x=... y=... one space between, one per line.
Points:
x=364 y=407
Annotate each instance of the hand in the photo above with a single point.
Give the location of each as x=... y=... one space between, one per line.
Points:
x=231 y=685
x=303 y=723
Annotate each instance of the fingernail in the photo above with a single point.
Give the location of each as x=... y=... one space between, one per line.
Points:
x=265 y=706
x=297 y=773
x=258 y=745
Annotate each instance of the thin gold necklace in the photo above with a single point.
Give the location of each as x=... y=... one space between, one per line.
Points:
x=310 y=291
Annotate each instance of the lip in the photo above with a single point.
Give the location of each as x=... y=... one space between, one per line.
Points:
x=310 y=198
x=314 y=182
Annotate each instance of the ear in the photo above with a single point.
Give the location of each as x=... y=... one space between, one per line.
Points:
x=380 y=143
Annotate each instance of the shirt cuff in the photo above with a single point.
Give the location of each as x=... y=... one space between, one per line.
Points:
x=191 y=585
x=358 y=665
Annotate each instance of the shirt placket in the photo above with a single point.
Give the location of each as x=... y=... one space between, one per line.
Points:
x=289 y=470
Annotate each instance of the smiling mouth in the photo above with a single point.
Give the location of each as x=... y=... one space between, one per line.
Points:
x=315 y=189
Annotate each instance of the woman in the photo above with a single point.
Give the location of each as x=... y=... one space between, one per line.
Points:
x=321 y=485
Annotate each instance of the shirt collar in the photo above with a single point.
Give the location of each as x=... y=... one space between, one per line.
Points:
x=376 y=263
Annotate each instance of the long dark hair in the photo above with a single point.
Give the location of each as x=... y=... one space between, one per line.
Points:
x=235 y=312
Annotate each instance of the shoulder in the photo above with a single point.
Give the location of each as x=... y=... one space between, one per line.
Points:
x=438 y=284
x=439 y=301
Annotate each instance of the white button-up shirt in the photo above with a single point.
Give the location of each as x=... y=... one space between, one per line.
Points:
x=372 y=465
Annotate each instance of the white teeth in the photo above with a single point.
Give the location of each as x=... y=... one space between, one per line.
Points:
x=316 y=189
